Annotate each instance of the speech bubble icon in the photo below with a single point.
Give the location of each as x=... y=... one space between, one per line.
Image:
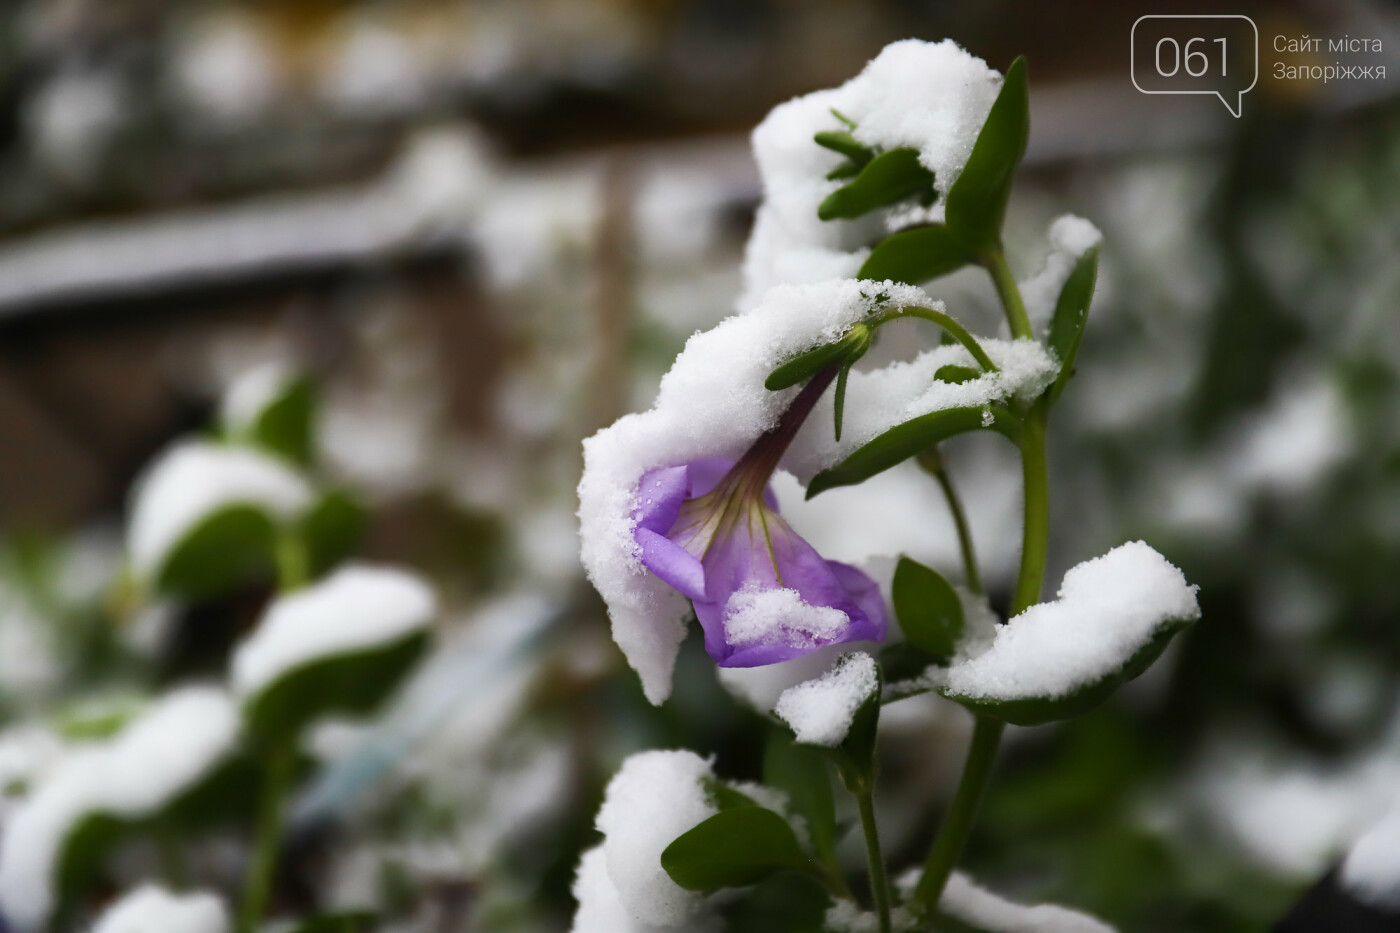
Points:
x=1209 y=54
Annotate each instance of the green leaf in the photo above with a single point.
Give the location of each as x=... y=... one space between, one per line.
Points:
x=977 y=200
x=902 y=661
x=847 y=145
x=285 y=425
x=806 y=365
x=787 y=902
x=1071 y=312
x=838 y=402
x=733 y=849
x=889 y=178
x=802 y=775
x=725 y=796
x=1033 y=711
x=914 y=256
x=928 y=608
x=332 y=529
x=956 y=374
x=355 y=682
x=908 y=439
x=226 y=796
x=224 y=549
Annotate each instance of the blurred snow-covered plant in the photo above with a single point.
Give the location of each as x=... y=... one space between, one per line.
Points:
x=872 y=189
x=209 y=517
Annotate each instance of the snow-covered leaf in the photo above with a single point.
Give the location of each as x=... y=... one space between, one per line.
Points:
x=910 y=438
x=915 y=256
x=977 y=201
x=734 y=848
x=226 y=547
x=804 y=366
x=1114 y=616
x=889 y=178
x=340 y=646
x=1071 y=312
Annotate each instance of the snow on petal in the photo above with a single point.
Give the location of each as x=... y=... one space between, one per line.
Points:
x=820 y=711
x=357 y=607
x=150 y=908
x=1107 y=609
x=193 y=479
x=170 y=747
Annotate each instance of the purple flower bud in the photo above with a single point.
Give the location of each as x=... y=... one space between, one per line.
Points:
x=711 y=530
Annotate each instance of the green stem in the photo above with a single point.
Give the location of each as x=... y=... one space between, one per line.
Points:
x=932 y=462
x=1016 y=316
x=293 y=561
x=267 y=842
x=957 y=823
x=1035 y=538
x=948 y=323
x=879 y=882
x=986 y=734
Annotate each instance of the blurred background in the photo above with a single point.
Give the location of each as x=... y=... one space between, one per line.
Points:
x=485 y=227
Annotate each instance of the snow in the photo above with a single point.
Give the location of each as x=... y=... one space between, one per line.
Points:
x=169 y=748
x=1371 y=870
x=248 y=396
x=654 y=797
x=357 y=607
x=820 y=711
x=193 y=479
x=1107 y=609
x=1070 y=238
x=933 y=97
x=1292 y=817
x=151 y=908
x=1303 y=434
x=760 y=687
x=753 y=615
x=713 y=403
x=600 y=909
x=974 y=905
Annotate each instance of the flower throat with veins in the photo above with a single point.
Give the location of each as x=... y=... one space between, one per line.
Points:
x=710 y=528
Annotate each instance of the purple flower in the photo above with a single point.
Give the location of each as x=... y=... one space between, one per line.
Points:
x=711 y=529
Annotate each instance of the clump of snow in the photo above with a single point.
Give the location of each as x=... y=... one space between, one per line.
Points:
x=1371 y=870
x=355 y=608
x=600 y=909
x=249 y=395
x=1108 y=608
x=976 y=906
x=193 y=479
x=169 y=748
x=1070 y=238
x=713 y=403
x=820 y=711
x=760 y=687
x=150 y=908
x=933 y=97
x=753 y=616
x=654 y=797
